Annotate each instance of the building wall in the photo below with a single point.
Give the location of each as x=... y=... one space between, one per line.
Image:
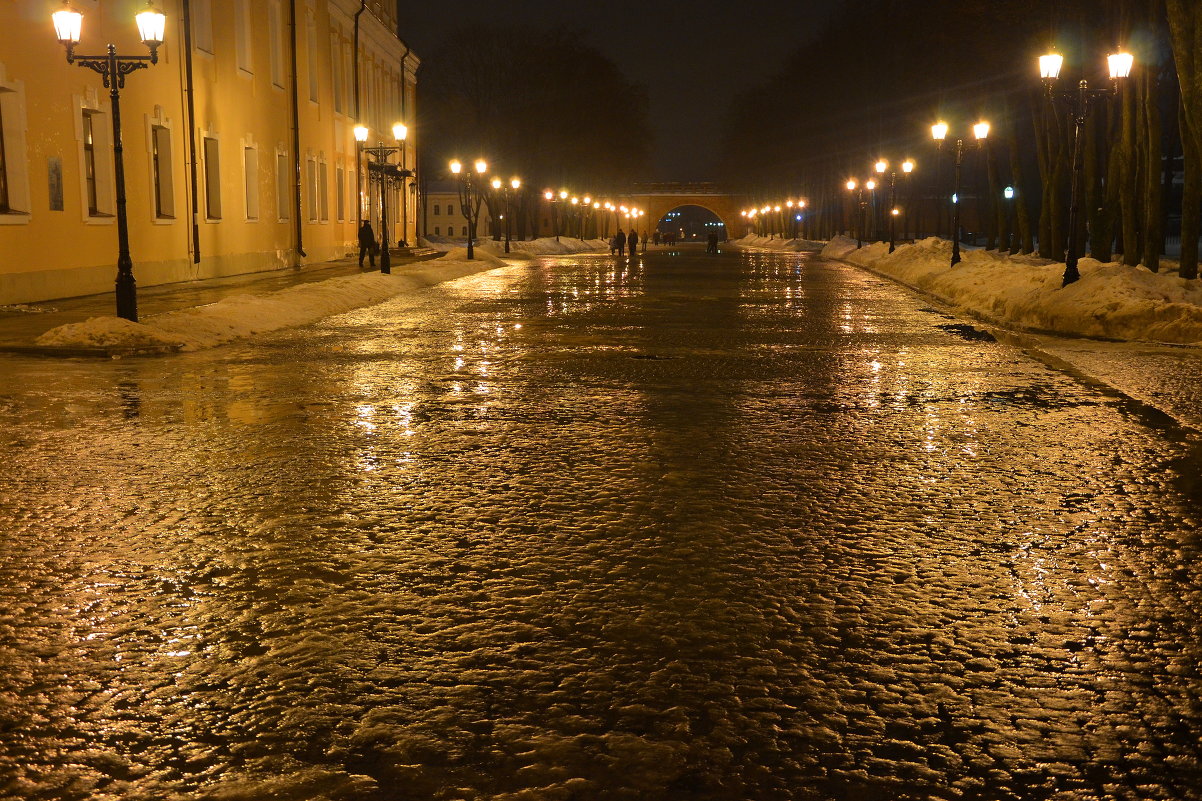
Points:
x=58 y=235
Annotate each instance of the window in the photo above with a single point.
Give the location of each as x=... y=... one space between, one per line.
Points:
x=4 y=207
x=311 y=181
x=250 y=170
x=275 y=31
x=212 y=157
x=242 y=35
x=450 y=208
x=437 y=208
x=283 y=186
x=160 y=160
x=465 y=230
x=202 y=24
x=336 y=70
x=340 y=191
x=89 y=165
x=314 y=67
x=15 y=204
x=437 y=232
x=323 y=190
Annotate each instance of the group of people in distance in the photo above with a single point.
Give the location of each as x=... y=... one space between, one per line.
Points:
x=621 y=242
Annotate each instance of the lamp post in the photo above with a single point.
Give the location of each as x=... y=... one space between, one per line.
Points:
x=939 y=133
x=868 y=208
x=1080 y=102
x=851 y=185
x=68 y=25
x=388 y=176
x=469 y=199
x=515 y=184
x=1008 y=194
x=400 y=132
x=907 y=169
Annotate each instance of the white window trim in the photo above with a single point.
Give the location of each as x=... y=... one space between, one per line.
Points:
x=244 y=43
x=15 y=152
x=157 y=120
x=204 y=160
x=106 y=179
x=250 y=183
x=283 y=185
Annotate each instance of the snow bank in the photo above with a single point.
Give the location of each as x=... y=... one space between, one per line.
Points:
x=1111 y=300
x=776 y=243
x=244 y=315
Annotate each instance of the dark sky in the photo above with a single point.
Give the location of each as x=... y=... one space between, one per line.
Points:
x=692 y=56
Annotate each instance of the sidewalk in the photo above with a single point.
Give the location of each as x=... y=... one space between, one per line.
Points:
x=20 y=326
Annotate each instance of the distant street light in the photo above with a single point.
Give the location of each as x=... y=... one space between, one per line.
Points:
x=515 y=184
x=1079 y=102
x=469 y=198
x=68 y=26
x=938 y=133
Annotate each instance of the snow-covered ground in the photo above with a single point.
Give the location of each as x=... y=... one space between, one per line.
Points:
x=1110 y=300
x=248 y=314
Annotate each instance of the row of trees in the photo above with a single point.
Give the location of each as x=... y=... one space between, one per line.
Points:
x=845 y=100
x=541 y=105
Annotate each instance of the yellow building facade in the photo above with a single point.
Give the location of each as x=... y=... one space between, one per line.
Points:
x=239 y=149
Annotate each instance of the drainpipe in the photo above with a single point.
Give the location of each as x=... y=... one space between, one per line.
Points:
x=358 y=121
x=187 y=12
x=296 y=161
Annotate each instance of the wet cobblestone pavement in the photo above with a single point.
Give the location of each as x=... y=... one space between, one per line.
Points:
x=737 y=527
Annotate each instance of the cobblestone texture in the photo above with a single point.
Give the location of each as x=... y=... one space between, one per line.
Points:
x=745 y=527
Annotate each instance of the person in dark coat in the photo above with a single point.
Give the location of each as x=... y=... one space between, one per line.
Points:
x=367 y=244
x=620 y=242
x=633 y=242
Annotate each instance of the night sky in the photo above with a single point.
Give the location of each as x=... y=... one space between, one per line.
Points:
x=693 y=57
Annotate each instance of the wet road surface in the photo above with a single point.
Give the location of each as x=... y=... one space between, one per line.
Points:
x=741 y=527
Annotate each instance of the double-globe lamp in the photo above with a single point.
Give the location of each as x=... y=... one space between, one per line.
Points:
x=68 y=27
x=939 y=133
x=1080 y=102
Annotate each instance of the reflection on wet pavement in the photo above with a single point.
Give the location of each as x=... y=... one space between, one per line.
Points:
x=738 y=527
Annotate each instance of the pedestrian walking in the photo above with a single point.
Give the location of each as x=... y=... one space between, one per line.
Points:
x=620 y=242
x=632 y=242
x=367 y=244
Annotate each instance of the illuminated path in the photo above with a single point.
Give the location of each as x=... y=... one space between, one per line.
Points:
x=735 y=527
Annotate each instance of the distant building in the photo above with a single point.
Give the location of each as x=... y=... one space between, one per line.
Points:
x=219 y=180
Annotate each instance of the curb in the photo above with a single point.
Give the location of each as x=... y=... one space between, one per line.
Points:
x=88 y=353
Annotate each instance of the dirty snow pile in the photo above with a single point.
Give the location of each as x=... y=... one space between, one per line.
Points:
x=246 y=314
x=777 y=243
x=521 y=249
x=1110 y=300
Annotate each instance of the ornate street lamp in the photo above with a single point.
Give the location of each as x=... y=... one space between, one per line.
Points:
x=469 y=199
x=907 y=170
x=68 y=26
x=388 y=176
x=1080 y=102
x=939 y=133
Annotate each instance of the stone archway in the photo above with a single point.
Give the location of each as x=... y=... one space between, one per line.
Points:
x=659 y=199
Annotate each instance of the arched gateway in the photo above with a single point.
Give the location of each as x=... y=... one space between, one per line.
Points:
x=660 y=198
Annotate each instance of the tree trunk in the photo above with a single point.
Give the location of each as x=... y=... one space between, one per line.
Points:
x=1128 y=177
x=1025 y=240
x=1153 y=168
x=998 y=229
x=1097 y=210
x=1191 y=201
x=1185 y=33
x=1044 y=151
